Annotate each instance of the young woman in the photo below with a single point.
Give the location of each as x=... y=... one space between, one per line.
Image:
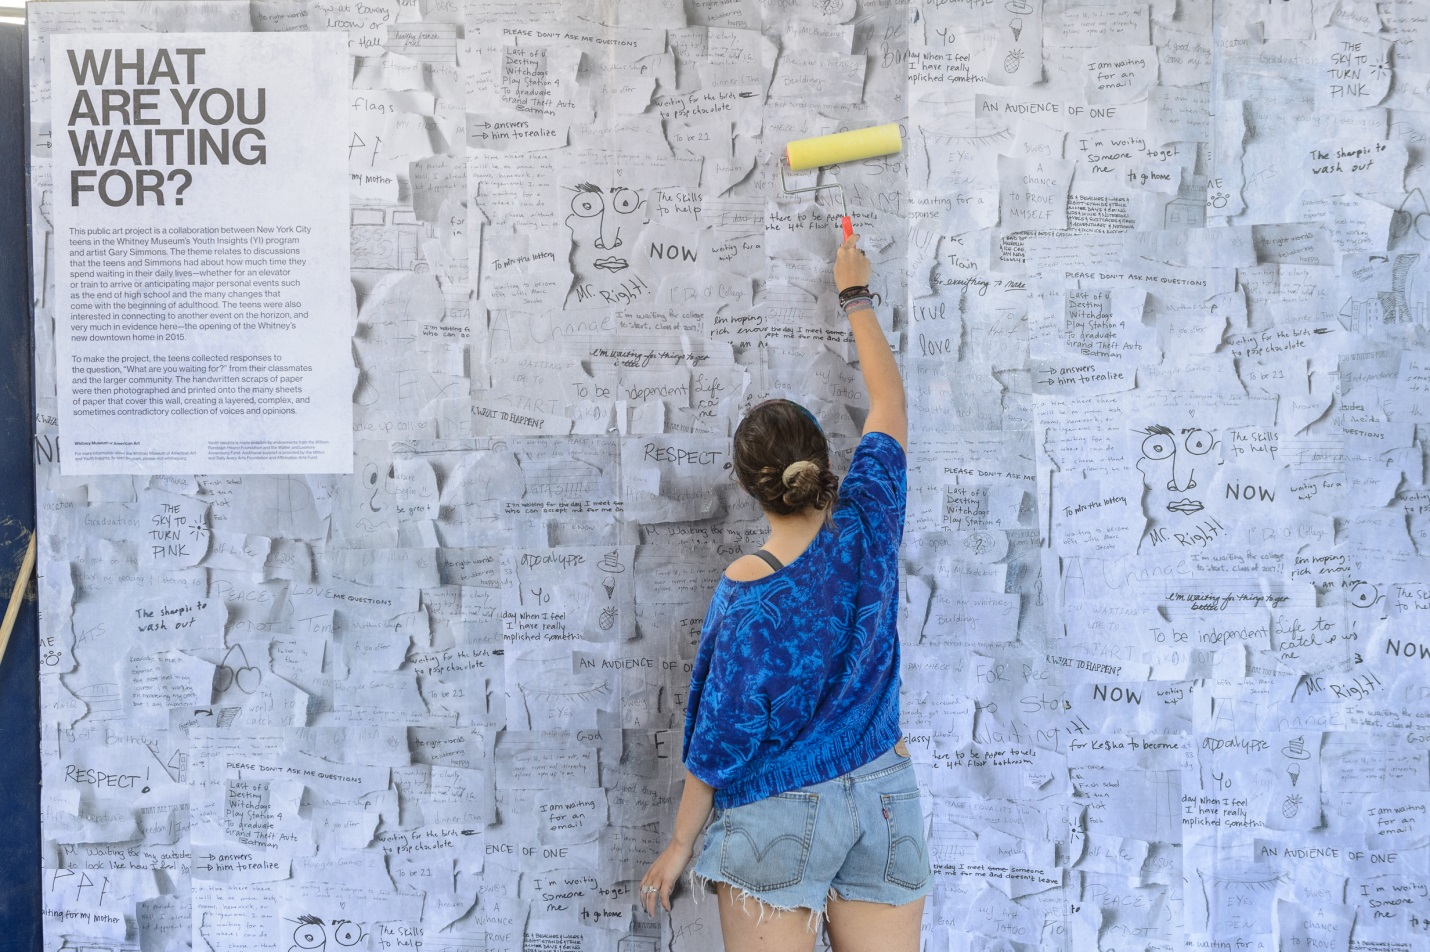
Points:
x=792 y=730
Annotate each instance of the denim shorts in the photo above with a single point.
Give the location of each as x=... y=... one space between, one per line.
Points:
x=860 y=835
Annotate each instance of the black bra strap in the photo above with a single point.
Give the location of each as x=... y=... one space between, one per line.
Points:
x=770 y=560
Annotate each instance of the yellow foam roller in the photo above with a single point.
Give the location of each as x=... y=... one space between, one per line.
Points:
x=844 y=147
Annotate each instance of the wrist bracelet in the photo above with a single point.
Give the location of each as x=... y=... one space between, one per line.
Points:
x=853 y=291
x=855 y=304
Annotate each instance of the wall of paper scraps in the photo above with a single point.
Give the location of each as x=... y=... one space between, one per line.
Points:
x=1157 y=273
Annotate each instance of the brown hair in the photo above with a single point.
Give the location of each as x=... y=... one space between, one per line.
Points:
x=770 y=444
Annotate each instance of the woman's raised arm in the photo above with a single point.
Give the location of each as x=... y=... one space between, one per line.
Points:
x=888 y=409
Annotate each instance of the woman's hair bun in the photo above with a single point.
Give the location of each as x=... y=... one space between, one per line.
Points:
x=782 y=459
x=793 y=470
x=807 y=484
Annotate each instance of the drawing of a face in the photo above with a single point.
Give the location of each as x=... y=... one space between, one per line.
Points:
x=554 y=694
x=1184 y=452
x=311 y=935
x=348 y=933
x=1373 y=604
x=376 y=487
x=1364 y=595
x=596 y=220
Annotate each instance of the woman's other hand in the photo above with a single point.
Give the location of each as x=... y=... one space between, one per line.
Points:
x=851 y=265
x=660 y=879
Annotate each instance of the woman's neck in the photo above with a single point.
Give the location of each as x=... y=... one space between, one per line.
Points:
x=792 y=534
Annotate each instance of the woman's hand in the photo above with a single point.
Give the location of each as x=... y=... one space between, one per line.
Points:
x=851 y=266
x=664 y=873
x=662 y=876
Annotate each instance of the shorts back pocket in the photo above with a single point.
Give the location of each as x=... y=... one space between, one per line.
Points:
x=766 y=843
x=908 y=863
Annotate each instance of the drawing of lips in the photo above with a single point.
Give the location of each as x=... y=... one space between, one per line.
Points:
x=612 y=263
x=1185 y=506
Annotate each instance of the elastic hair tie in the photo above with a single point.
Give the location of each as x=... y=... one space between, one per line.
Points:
x=793 y=470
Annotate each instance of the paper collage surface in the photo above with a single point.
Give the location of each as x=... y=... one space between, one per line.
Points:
x=1157 y=276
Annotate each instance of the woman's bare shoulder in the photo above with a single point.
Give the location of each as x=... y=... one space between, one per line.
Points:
x=747 y=568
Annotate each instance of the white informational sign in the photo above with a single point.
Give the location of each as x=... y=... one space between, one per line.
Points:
x=203 y=301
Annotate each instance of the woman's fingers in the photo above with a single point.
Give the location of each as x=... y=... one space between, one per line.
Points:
x=660 y=891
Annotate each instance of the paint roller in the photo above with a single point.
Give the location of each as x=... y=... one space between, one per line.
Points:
x=804 y=154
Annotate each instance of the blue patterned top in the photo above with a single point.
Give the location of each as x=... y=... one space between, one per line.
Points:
x=796 y=679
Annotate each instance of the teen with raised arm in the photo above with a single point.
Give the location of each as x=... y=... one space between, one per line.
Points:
x=792 y=729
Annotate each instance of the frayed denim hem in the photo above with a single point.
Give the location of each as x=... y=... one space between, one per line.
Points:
x=699 y=884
